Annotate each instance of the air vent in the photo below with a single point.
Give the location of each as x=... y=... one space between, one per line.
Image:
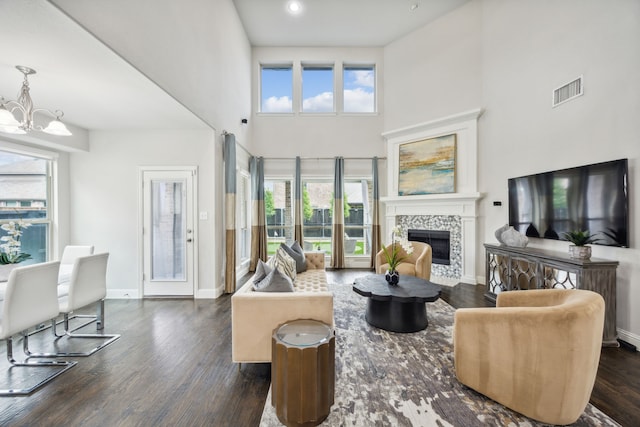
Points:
x=567 y=92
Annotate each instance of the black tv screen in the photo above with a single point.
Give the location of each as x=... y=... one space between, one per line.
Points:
x=592 y=197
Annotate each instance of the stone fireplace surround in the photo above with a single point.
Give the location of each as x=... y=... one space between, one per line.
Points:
x=455 y=212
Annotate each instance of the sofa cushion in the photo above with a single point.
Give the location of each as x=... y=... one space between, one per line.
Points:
x=284 y=262
x=262 y=270
x=296 y=252
x=275 y=281
x=312 y=281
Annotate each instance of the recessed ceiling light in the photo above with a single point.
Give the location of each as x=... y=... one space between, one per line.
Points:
x=414 y=6
x=294 y=7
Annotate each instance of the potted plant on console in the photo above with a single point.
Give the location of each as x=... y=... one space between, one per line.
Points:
x=395 y=254
x=580 y=240
x=10 y=249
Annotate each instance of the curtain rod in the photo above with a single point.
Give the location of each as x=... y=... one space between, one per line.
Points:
x=224 y=133
x=322 y=158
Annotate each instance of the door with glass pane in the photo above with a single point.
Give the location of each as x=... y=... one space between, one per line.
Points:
x=168 y=233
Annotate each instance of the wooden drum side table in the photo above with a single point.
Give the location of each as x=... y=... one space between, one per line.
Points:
x=302 y=372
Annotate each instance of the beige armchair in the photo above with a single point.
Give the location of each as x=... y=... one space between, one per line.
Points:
x=537 y=352
x=417 y=264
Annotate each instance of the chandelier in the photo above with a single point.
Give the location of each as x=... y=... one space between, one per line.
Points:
x=23 y=123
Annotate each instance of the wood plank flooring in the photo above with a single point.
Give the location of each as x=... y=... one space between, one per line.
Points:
x=172 y=367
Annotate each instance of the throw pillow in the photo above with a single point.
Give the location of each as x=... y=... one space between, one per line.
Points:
x=283 y=261
x=275 y=281
x=296 y=252
x=262 y=270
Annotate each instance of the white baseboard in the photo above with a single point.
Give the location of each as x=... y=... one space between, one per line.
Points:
x=134 y=294
x=208 y=293
x=629 y=337
x=122 y=294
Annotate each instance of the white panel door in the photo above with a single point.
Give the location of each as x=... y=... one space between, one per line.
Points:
x=168 y=234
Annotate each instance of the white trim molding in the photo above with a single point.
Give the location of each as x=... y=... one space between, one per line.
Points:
x=462 y=203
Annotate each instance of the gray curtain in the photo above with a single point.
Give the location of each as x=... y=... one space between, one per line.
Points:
x=230 y=213
x=337 y=229
x=376 y=236
x=258 y=213
x=298 y=206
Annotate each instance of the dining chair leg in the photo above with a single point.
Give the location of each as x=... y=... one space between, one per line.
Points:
x=66 y=365
x=69 y=333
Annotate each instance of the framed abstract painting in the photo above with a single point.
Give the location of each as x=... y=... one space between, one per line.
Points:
x=427 y=166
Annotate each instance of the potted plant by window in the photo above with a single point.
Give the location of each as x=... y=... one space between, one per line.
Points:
x=580 y=239
x=10 y=248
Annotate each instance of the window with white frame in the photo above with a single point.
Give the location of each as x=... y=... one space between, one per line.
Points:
x=317 y=89
x=25 y=200
x=279 y=212
x=359 y=89
x=276 y=89
x=357 y=216
x=317 y=224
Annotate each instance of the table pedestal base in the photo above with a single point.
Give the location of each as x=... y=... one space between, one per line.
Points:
x=397 y=316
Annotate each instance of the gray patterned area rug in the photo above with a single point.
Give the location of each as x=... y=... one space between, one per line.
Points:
x=391 y=379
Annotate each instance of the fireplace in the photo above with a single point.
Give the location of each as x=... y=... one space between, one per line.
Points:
x=454 y=212
x=439 y=240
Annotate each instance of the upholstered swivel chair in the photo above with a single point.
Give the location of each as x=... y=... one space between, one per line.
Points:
x=88 y=285
x=417 y=264
x=536 y=352
x=30 y=299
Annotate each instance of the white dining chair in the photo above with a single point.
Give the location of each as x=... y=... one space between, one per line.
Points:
x=88 y=285
x=30 y=299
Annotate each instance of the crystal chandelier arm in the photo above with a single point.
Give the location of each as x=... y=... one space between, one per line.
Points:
x=57 y=113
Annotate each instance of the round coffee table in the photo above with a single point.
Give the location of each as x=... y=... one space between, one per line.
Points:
x=399 y=308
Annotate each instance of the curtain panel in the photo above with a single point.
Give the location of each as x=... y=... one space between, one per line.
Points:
x=230 y=213
x=376 y=236
x=258 y=213
x=298 y=206
x=337 y=229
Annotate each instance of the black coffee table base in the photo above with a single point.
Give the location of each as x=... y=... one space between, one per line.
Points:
x=399 y=308
x=397 y=316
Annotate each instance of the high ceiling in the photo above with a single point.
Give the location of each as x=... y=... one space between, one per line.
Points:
x=337 y=22
x=97 y=89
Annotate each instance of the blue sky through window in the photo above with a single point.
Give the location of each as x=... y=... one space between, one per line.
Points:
x=277 y=90
x=317 y=90
x=359 y=89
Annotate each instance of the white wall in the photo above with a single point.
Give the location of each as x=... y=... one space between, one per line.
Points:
x=196 y=50
x=424 y=68
x=317 y=135
x=525 y=49
x=104 y=194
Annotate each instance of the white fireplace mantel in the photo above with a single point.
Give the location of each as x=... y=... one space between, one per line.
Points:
x=462 y=203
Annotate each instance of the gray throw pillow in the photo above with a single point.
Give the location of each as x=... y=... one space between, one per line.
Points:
x=276 y=281
x=296 y=252
x=262 y=270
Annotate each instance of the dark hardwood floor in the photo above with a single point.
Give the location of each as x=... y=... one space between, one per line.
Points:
x=172 y=367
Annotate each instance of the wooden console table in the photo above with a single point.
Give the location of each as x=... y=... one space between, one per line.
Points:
x=509 y=269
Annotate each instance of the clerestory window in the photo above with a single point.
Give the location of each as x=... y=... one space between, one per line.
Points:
x=276 y=89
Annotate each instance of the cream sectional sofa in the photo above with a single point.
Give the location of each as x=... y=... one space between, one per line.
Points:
x=255 y=315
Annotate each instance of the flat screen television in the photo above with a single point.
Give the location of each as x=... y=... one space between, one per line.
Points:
x=592 y=197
